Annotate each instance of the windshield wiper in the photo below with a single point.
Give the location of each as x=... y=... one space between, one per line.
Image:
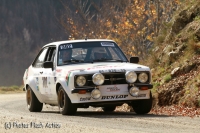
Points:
x=72 y=60
x=108 y=60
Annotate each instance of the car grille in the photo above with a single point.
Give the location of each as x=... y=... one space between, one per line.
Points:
x=110 y=78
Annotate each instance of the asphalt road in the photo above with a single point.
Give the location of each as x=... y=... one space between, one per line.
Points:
x=15 y=117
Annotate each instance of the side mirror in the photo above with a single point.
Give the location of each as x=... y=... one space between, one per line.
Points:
x=48 y=64
x=134 y=59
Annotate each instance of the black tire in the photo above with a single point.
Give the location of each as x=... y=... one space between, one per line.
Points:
x=109 y=108
x=142 y=106
x=64 y=103
x=33 y=104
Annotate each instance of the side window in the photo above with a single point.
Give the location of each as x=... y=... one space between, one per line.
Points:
x=40 y=59
x=51 y=55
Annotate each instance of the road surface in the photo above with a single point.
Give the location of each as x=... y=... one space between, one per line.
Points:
x=15 y=117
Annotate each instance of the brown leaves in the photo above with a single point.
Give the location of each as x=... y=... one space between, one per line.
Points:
x=176 y=110
x=123 y=108
x=135 y=23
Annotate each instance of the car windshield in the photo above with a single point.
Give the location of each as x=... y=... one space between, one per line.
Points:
x=89 y=52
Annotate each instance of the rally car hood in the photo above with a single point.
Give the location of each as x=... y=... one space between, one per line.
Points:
x=101 y=67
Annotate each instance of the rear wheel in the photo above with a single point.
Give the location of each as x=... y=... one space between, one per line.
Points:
x=33 y=104
x=64 y=103
x=109 y=108
x=142 y=106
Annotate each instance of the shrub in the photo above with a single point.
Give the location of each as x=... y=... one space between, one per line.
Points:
x=167 y=78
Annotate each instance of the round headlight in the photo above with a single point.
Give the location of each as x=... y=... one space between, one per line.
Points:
x=143 y=77
x=80 y=80
x=134 y=91
x=98 y=79
x=131 y=76
x=96 y=94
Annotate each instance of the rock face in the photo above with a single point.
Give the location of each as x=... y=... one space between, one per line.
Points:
x=180 y=58
x=184 y=87
x=173 y=55
x=175 y=71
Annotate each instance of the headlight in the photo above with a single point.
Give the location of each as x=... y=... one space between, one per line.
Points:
x=131 y=76
x=96 y=94
x=98 y=79
x=80 y=80
x=143 y=77
x=134 y=91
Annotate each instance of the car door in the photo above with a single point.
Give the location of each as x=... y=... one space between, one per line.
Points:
x=45 y=77
x=39 y=74
x=49 y=76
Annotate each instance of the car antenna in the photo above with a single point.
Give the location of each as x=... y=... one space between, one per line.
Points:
x=85 y=37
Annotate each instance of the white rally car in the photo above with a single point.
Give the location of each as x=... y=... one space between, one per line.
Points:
x=92 y=73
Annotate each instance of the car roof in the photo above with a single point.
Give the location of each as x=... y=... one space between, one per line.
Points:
x=75 y=41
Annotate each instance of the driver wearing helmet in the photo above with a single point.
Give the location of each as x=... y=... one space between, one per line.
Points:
x=65 y=56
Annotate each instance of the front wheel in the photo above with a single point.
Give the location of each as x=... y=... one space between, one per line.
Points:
x=64 y=103
x=33 y=104
x=142 y=106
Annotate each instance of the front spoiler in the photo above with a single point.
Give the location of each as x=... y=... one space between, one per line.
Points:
x=104 y=103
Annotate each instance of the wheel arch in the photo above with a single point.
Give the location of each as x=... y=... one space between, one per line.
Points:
x=66 y=89
x=57 y=87
x=39 y=97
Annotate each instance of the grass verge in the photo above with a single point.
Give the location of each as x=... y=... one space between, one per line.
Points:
x=11 y=89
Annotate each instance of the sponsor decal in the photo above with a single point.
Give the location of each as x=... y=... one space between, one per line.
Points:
x=55 y=80
x=107 y=44
x=37 y=81
x=85 y=99
x=111 y=89
x=100 y=67
x=68 y=77
x=141 y=95
x=69 y=72
x=58 y=70
x=37 y=87
x=108 y=68
x=112 y=70
x=44 y=82
x=114 y=97
x=66 y=46
x=49 y=80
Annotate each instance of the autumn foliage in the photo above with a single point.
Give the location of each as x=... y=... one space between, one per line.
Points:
x=133 y=24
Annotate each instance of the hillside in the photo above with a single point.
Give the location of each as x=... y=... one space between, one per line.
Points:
x=26 y=25
x=175 y=59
